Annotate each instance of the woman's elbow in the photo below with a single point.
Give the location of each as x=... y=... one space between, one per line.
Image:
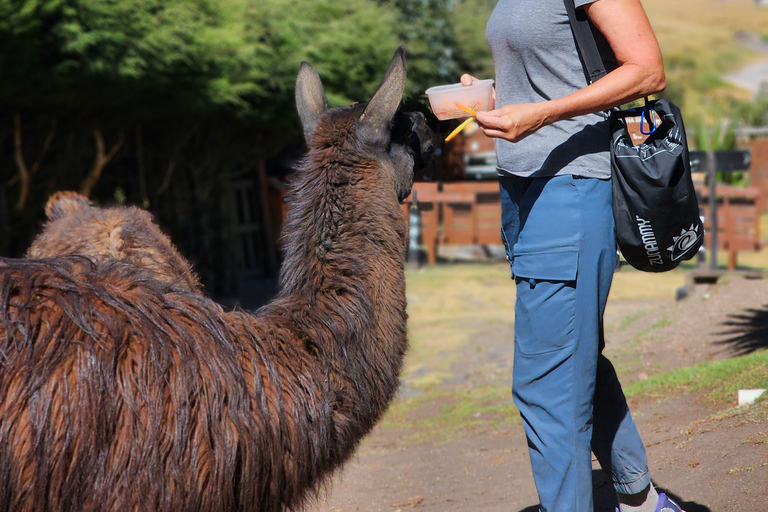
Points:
x=650 y=79
x=658 y=81
x=655 y=79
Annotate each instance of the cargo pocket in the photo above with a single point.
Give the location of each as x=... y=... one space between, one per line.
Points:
x=545 y=309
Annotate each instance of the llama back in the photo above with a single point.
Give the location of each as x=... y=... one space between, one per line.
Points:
x=119 y=393
x=127 y=233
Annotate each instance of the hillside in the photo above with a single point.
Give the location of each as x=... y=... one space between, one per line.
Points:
x=700 y=43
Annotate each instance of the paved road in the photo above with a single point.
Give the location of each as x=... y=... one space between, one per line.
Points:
x=751 y=77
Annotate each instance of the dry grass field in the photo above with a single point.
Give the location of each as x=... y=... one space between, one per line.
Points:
x=698 y=41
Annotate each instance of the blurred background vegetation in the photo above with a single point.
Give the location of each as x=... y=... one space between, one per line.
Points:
x=180 y=105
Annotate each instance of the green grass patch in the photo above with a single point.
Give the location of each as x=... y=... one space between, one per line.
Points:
x=647 y=333
x=630 y=319
x=440 y=415
x=719 y=380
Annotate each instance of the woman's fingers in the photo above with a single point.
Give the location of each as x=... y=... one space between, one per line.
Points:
x=467 y=79
x=510 y=122
x=491 y=119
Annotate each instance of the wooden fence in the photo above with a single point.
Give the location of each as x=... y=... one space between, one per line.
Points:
x=457 y=214
x=738 y=219
x=469 y=213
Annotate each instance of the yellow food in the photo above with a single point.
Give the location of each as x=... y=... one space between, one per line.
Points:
x=459 y=128
x=467 y=110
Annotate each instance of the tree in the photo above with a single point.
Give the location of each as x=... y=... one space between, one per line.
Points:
x=472 y=53
x=163 y=103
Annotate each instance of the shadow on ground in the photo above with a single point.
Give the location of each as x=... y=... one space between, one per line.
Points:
x=746 y=332
x=605 y=497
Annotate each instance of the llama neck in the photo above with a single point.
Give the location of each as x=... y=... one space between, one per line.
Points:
x=343 y=237
x=343 y=275
x=339 y=321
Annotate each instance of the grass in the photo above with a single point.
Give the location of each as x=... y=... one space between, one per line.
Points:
x=632 y=284
x=450 y=413
x=447 y=306
x=718 y=380
x=447 y=303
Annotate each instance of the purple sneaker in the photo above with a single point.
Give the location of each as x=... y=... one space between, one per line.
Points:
x=665 y=505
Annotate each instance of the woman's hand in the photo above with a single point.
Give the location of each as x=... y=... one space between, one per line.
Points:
x=513 y=122
x=467 y=80
x=510 y=122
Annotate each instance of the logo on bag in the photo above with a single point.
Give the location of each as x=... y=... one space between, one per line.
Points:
x=649 y=241
x=685 y=241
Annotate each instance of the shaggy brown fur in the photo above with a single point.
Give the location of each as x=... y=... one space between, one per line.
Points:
x=122 y=392
x=123 y=233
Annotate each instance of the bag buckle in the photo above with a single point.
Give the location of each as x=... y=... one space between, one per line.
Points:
x=647 y=114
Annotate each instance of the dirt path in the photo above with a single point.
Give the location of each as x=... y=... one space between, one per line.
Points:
x=711 y=457
x=754 y=75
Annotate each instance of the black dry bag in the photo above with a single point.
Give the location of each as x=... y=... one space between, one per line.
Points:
x=654 y=202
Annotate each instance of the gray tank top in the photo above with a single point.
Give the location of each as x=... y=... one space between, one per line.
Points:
x=536 y=60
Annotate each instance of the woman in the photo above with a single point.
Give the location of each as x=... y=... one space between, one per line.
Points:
x=552 y=146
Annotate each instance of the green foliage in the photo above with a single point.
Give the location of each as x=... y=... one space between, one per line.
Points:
x=154 y=58
x=349 y=42
x=472 y=52
x=755 y=112
x=425 y=28
x=142 y=60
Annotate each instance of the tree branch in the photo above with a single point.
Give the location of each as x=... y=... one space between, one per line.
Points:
x=21 y=166
x=101 y=160
x=44 y=151
x=167 y=177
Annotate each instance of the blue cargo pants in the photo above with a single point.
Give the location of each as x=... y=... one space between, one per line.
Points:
x=559 y=235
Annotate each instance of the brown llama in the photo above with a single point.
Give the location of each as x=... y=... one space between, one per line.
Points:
x=124 y=233
x=123 y=392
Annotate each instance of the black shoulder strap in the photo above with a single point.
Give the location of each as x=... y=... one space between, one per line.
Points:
x=585 y=43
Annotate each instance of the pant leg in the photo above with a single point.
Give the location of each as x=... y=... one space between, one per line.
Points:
x=615 y=440
x=563 y=257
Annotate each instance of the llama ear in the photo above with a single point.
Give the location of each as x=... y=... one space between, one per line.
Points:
x=375 y=121
x=310 y=98
x=65 y=203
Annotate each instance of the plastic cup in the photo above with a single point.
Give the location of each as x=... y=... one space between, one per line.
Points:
x=447 y=100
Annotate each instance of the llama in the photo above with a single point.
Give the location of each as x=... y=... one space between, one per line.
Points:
x=126 y=233
x=121 y=391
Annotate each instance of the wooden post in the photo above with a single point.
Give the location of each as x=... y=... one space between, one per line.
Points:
x=712 y=209
x=414 y=232
x=730 y=230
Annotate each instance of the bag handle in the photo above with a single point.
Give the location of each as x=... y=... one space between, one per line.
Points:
x=585 y=43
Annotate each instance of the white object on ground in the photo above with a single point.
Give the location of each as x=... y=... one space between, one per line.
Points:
x=748 y=396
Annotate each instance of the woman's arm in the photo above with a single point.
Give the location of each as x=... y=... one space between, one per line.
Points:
x=640 y=73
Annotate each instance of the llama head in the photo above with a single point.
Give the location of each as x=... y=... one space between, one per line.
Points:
x=74 y=227
x=376 y=128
